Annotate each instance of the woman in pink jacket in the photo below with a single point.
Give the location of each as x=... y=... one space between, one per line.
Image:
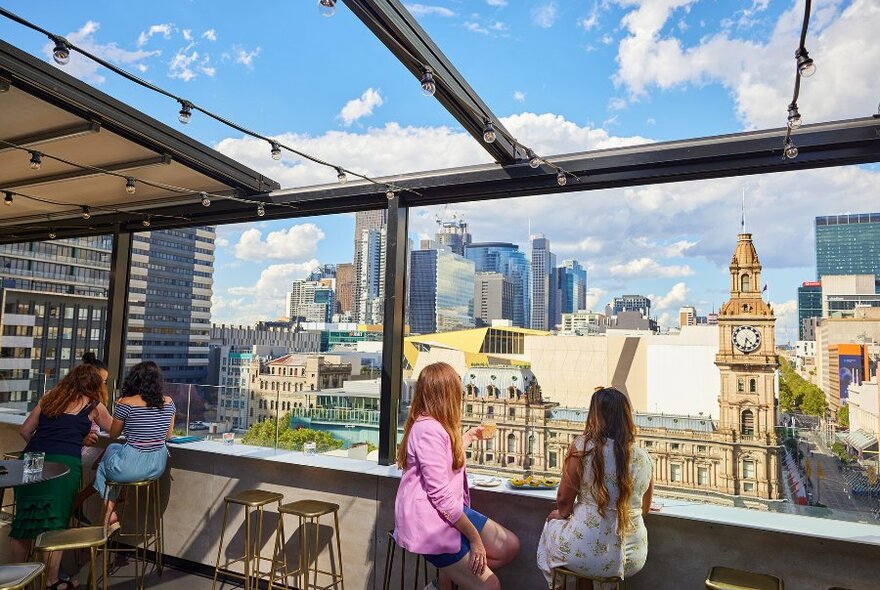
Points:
x=432 y=514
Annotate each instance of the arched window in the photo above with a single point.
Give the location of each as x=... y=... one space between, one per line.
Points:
x=741 y=385
x=511 y=443
x=532 y=444
x=490 y=444
x=511 y=392
x=747 y=423
x=745 y=283
x=753 y=385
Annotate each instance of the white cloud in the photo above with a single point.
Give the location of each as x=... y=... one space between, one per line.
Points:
x=296 y=243
x=245 y=57
x=474 y=27
x=668 y=250
x=607 y=39
x=588 y=245
x=358 y=108
x=210 y=35
x=221 y=243
x=591 y=21
x=519 y=96
x=650 y=121
x=84 y=68
x=595 y=297
x=786 y=313
x=425 y=10
x=265 y=299
x=163 y=29
x=646 y=267
x=188 y=63
x=545 y=16
x=674 y=299
x=500 y=3
x=617 y=103
x=187 y=34
x=759 y=73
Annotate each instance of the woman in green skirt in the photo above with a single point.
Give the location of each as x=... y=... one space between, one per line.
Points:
x=57 y=427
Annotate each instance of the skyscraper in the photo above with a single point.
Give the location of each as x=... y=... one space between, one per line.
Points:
x=441 y=291
x=638 y=303
x=369 y=297
x=169 y=313
x=848 y=245
x=542 y=263
x=493 y=297
x=345 y=287
x=505 y=258
x=572 y=284
x=311 y=301
x=452 y=234
x=375 y=219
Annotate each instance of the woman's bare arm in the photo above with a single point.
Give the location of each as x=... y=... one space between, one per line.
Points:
x=570 y=484
x=646 y=499
x=29 y=426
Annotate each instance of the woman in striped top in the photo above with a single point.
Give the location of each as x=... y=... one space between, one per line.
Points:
x=146 y=417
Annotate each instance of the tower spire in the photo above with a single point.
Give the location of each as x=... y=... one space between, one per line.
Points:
x=743 y=212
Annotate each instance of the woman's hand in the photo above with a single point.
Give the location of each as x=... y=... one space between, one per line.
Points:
x=472 y=434
x=555 y=516
x=478 y=557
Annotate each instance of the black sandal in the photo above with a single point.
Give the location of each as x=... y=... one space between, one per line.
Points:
x=57 y=585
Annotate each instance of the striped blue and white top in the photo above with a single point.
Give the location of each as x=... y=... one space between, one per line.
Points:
x=145 y=428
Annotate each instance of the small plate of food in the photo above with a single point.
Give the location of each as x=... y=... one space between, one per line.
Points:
x=485 y=481
x=530 y=482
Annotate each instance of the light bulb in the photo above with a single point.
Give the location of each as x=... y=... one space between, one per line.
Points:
x=561 y=178
x=805 y=64
x=146 y=221
x=36 y=160
x=534 y=160
x=86 y=212
x=130 y=188
x=7 y=199
x=790 y=150
x=340 y=176
x=4 y=84
x=794 y=116
x=61 y=52
x=261 y=211
x=206 y=202
x=52 y=234
x=327 y=7
x=185 y=112
x=389 y=195
x=489 y=132
x=429 y=87
x=276 y=151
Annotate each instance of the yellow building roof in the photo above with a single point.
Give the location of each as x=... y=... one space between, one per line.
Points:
x=469 y=342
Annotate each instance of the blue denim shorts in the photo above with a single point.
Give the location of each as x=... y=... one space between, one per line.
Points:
x=442 y=560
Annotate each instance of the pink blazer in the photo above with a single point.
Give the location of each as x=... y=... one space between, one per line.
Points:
x=432 y=495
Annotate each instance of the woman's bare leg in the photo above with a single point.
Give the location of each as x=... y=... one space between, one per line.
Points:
x=502 y=546
x=460 y=573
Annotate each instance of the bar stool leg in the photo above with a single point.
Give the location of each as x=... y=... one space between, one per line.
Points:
x=402 y=567
x=389 y=564
x=247 y=549
x=93 y=574
x=316 y=522
x=104 y=563
x=337 y=532
x=157 y=527
x=220 y=546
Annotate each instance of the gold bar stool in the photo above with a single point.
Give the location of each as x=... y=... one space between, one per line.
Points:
x=389 y=566
x=17 y=576
x=309 y=512
x=11 y=503
x=91 y=538
x=253 y=501
x=725 y=578
x=562 y=575
x=142 y=538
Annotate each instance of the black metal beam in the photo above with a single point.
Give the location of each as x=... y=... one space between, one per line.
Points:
x=57 y=134
x=117 y=309
x=395 y=27
x=394 y=322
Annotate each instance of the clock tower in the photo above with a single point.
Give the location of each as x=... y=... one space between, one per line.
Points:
x=747 y=362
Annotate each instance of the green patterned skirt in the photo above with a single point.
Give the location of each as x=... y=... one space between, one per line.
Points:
x=46 y=506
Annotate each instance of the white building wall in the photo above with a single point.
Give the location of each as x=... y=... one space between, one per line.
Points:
x=682 y=376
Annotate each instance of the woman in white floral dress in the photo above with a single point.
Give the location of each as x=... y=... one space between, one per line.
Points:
x=597 y=528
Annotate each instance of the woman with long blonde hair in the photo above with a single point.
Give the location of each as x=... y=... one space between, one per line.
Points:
x=58 y=427
x=432 y=513
x=597 y=528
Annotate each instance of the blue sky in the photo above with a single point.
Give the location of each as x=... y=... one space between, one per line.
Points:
x=563 y=75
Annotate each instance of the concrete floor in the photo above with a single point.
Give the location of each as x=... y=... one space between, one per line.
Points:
x=123 y=578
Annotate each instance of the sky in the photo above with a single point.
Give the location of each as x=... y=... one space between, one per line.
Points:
x=563 y=76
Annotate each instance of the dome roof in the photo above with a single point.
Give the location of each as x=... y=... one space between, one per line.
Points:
x=745 y=253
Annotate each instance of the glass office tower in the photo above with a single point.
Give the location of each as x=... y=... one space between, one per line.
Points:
x=441 y=292
x=848 y=245
x=506 y=259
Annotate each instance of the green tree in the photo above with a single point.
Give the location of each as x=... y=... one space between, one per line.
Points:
x=843 y=417
x=787 y=400
x=263 y=434
x=814 y=403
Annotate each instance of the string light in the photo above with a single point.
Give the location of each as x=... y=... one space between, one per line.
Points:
x=7 y=198
x=276 y=151
x=146 y=221
x=261 y=211
x=389 y=194
x=534 y=160
x=185 y=111
x=5 y=84
x=794 y=116
x=561 y=179
x=206 y=202
x=327 y=7
x=61 y=51
x=340 y=176
x=489 y=132
x=130 y=187
x=805 y=64
x=52 y=234
x=429 y=87
x=790 y=150
x=86 y=212
x=36 y=160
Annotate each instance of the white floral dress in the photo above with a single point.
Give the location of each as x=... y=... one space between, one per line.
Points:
x=589 y=544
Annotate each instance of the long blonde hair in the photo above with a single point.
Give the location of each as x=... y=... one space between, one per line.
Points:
x=438 y=395
x=82 y=381
x=610 y=418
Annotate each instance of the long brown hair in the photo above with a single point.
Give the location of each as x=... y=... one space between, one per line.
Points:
x=438 y=395
x=82 y=381
x=610 y=419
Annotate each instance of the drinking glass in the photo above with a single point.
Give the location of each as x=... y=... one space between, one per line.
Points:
x=33 y=463
x=309 y=448
x=489 y=428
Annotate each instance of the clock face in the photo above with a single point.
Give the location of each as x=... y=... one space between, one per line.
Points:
x=746 y=339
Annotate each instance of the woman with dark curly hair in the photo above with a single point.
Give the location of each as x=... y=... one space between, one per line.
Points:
x=146 y=416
